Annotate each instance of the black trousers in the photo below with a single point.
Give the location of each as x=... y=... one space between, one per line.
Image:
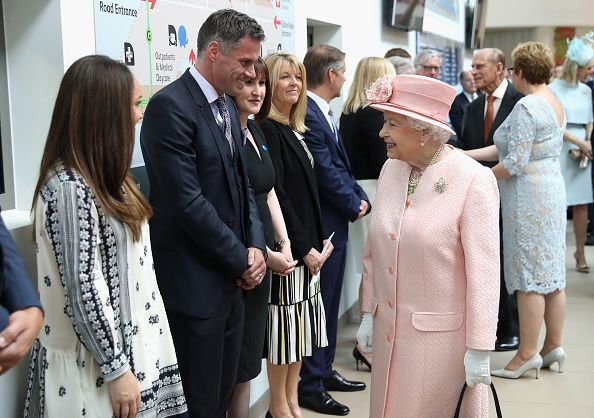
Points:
x=208 y=355
x=315 y=368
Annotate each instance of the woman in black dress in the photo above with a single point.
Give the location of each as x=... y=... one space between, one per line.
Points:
x=255 y=100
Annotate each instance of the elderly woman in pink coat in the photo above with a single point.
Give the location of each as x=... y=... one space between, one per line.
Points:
x=431 y=266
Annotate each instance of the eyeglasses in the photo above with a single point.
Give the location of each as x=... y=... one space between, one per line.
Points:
x=431 y=68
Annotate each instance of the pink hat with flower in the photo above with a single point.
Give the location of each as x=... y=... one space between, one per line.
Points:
x=416 y=96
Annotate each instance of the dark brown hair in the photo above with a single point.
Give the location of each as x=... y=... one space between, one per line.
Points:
x=92 y=132
x=227 y=26
x=262 y=73
x=397 y=52
x=318 y=60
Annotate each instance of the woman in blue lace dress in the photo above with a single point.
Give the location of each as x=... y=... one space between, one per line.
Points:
x=528 y=145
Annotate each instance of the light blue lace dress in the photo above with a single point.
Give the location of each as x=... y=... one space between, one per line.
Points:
x=533 y=198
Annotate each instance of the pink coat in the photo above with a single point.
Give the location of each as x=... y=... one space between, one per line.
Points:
x=431 y=280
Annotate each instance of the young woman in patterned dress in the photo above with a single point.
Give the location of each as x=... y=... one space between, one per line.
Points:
x=105 y=348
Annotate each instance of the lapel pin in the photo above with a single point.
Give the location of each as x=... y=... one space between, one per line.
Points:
x=440 y=186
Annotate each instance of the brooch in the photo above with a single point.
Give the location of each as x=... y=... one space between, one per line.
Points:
x=440 y=186
x=380 y=90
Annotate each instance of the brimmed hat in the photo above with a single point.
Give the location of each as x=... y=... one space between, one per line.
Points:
x=416 y=96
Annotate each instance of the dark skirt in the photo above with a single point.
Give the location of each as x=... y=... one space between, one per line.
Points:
x=254 y=331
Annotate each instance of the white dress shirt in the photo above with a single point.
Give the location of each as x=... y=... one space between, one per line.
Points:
x=324 y=107
x=498 y=94
x=469 y=96
x=209 y=92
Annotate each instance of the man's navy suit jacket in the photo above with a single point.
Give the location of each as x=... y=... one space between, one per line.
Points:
x=340 y=195
x=457 y=111
x=200 y=232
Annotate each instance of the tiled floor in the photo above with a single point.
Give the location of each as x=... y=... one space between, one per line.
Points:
x=566 y=395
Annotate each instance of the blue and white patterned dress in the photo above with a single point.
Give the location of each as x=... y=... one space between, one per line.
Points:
x=103 y=311
x=533 y=198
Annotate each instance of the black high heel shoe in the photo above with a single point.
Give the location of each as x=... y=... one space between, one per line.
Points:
x=361 y=357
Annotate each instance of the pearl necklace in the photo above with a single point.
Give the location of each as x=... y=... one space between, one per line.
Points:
x=415 y=175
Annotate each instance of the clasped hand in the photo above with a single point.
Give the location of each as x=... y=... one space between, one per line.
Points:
x=281 y=262
x=255 y=271
x=363 y=209
x=586 y=148
x=314 y=260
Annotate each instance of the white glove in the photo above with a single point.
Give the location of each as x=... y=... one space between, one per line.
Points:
x=365 y=333
x=477 y=366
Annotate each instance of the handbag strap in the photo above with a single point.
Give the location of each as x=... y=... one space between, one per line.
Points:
x=495 y=399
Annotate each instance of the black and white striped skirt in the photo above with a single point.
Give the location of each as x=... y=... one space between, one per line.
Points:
x=296 y=319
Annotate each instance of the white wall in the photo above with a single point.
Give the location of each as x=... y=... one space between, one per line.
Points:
x=534 y=13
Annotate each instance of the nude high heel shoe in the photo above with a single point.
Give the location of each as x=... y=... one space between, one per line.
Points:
x=580 y=268
x=555 y=356
x=535 y=362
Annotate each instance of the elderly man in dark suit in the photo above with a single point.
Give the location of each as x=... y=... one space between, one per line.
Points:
x=341 y=200
x=20 y=310
x=462 y=101
x=483 y=117
x=207 y=237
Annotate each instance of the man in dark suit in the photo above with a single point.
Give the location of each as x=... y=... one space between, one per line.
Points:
x=20 y=310
x=483 y=117
x=341 y=200
x=207 y=238
x=462 y=101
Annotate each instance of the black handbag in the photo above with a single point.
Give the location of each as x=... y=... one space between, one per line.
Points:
x=495 y=399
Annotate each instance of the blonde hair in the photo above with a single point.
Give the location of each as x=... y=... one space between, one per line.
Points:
x=368 y=70
x=276 y=63
x=569 y=71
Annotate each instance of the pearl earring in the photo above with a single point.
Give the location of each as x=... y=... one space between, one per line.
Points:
x=422 y=144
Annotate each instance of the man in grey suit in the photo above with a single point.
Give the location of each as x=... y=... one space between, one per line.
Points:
x=483 y=117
